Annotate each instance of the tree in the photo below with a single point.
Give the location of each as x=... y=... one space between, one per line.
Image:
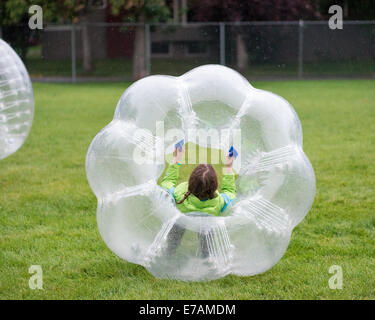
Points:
x=353 y=10
x=251 y=10
x=15 y=12
x=14 y=18
x=78 y=11
x=140 y=11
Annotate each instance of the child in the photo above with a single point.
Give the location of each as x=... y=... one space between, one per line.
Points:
x=198 y=194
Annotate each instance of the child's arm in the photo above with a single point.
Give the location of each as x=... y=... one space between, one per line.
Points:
x=228 y=185
x=170 y=179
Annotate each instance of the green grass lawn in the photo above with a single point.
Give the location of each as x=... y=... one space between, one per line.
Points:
x=48 y=211
x=186 y=169
x=122 y=68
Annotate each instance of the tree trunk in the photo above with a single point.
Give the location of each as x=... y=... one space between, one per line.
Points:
x=139 y=57
x=184 y=11
x=175 y=11
x=242 y=57
x=86 y=48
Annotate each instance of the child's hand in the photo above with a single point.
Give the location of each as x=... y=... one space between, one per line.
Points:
x=228 y=163
x=178 y=155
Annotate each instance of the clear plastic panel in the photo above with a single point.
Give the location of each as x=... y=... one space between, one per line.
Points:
x=16 y=101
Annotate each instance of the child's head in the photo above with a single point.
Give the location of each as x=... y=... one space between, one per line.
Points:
x=202 y=183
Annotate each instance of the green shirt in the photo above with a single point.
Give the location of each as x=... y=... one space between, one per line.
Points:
x=213 y=206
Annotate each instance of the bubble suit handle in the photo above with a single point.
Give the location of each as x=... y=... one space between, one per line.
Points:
x=138 y=219
x=16 y=101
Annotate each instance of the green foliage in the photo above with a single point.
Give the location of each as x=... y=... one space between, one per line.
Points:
x=61 y=11
x=141 y=10
x=354 y=9
x=15 y=11
x=48 y=211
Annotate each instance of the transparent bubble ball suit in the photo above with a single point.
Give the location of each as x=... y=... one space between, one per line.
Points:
x=275 y=187
x=16 y=101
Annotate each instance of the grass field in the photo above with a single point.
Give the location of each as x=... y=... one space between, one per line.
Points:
x=122 y=68
x=186 y=169
x=48 y=211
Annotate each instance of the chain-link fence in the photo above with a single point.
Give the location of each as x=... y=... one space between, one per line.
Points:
x=123 y=51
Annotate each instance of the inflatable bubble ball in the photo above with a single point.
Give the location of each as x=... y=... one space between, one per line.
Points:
x=16 y=101
x=275 y=186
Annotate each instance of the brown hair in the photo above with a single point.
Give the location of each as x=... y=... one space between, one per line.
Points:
x=202 y=183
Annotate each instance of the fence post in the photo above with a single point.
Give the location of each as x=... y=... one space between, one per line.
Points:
x=73 y=53
x=222 y=43
x=147 y=48
x=300 y=48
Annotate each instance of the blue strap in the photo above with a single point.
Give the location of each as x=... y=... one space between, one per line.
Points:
x=227 y=201
x=171 y=191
